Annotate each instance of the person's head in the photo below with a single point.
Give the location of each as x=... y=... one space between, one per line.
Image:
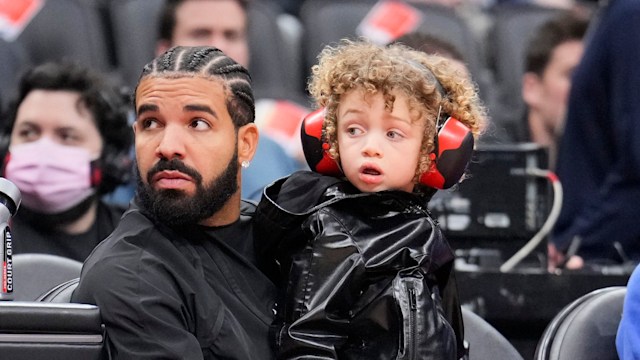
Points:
x=553 y=53
x=430 y=44
x=219 y=23
x=193 y=130
x=68 y=139
x=382 y=104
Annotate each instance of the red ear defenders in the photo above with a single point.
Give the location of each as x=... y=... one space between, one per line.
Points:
x=453 y=150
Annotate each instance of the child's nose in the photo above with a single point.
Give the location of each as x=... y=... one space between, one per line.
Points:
x=372 y=147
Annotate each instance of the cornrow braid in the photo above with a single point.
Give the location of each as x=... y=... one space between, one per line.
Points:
x=209 y=62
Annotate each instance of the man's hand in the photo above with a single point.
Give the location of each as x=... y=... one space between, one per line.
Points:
x=556 y=260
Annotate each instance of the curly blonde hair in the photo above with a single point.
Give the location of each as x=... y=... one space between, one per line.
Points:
x=430 y=83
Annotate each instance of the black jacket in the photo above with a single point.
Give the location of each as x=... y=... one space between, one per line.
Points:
x=32 y=235
x=192 y=293
x=361 y=274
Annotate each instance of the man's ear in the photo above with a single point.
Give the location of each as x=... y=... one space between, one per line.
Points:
x=247 y=142
x=531 y=89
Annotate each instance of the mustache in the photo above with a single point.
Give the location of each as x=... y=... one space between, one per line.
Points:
x=173 y=164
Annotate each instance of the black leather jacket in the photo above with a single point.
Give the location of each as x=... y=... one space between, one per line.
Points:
x=362 y=275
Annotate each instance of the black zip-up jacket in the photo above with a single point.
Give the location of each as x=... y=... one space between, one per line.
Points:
x=362 y=275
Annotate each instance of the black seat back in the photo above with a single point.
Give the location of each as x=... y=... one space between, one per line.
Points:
x=68 y=29
x=61 y=293
x=585 y=329
x=485 y=342
x=36 y=273
x=328 y=21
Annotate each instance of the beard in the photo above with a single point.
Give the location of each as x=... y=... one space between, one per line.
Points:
x=175 y=208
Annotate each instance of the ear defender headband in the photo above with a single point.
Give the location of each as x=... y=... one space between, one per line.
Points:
x=453 y=149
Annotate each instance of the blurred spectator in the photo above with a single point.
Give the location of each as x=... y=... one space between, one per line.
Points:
x=599 y=153
x=430 y=44
x=433 y=45
x=553 y=53
x=67 y=138
x=223 y=24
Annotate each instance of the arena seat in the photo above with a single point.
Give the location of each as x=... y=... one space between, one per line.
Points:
x=68 y=29
x=135 y=25
x=14 y=61
x=585 y=329
x=36 y=273
x=328 y=21
x=60 y=293
x=485 y=342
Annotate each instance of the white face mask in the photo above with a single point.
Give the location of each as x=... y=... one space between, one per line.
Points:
x=52 y=178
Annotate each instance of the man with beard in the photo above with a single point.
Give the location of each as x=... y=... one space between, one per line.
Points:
x=178 y=279
x=67 y=140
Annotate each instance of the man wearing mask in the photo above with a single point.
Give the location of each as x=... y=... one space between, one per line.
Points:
x=178 y=277
x=67 y=138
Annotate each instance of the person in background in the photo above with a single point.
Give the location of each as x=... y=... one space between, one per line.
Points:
x=223 y=24
x=66 y=145
x=599 y=154
x=177 y=279
x=628 y=335
x=433 y=45
x=362 y=265
x=551 y=57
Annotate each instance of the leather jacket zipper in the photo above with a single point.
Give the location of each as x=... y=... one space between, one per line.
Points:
x=413 y=309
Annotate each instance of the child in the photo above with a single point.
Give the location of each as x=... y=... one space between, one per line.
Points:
x=364 y=271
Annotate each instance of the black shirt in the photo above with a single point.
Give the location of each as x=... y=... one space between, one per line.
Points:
x=29 y=237
x=189 y=294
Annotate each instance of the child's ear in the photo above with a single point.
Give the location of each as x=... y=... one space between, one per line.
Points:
x=247 y=142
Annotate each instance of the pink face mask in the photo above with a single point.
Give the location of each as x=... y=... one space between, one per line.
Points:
x=51 y=177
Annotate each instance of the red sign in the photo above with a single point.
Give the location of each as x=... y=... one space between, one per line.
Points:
x=388 y=20
x=15 y=15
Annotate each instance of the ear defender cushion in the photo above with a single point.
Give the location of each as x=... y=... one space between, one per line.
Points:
x=454 y=149
x=316 y=150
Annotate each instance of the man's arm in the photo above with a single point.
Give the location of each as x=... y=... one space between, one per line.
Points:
x=144 y=315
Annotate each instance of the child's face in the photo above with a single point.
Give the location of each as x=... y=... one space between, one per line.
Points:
x=379 y=150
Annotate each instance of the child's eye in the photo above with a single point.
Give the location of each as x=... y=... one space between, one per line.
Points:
x=354 y=131
x=392 y=134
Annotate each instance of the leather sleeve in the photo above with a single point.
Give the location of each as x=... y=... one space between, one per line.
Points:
x=451 y=306
x=317 y=307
